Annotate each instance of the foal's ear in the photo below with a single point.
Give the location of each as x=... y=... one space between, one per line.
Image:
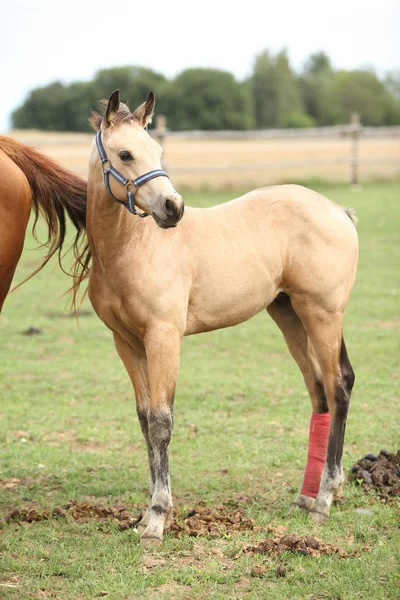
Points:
x=144 y=113
x=112 y=108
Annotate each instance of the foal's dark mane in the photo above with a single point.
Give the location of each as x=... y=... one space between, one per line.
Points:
x=55 y=193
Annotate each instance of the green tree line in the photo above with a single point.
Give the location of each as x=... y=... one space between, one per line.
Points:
x=274 y=95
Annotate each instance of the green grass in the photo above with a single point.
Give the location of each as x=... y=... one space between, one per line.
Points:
x=69 y=432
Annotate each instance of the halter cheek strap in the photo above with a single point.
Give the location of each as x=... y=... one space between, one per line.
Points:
x=110 y=170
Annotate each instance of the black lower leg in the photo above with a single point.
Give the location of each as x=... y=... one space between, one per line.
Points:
x=322 y=403
x=346 y=369
x=144 y=424
x=337 y=431
x=160 y=430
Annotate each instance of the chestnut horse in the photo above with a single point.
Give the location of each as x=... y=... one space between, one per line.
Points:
x=284 y=248
x=28 y=179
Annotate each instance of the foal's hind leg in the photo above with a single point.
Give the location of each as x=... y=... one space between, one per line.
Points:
x=348 y=377
x=301 y=349
x=325 y=332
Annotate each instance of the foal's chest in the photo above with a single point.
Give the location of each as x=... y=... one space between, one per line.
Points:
x=117 y=311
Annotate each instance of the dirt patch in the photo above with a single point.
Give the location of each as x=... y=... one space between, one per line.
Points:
x=379 y=473
x=215 y=522
x=13 y=582
x=31 y=515
x=168 y=590
x=296 y=544
x=57 y=438
x=13 y=483
x=395 y=324
x=219 y=522
x=202 y=521
x=81 y=512
x=62 y=315
x=32 y=331
x=74 y=441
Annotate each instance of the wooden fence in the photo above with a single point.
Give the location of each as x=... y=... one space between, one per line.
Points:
x=248 y=159
x=354 y=132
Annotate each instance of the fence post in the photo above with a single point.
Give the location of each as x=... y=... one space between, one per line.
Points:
x=161 y=132
x=355 y=131
x=161 y=129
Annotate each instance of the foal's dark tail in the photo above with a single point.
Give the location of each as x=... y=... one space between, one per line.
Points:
x=351 y=213
x=56 y=193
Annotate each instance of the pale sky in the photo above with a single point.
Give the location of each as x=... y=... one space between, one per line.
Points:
x=46 y=40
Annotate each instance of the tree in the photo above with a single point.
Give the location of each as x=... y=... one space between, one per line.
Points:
x=44 y=108
x=134 y=82
x=56 y=107
x=392 y=85
x=276 y=93
x=79 y=101
x=60 y=107
x=208 y=99
x=274 y=96
x=350 y=91
x=314 y=81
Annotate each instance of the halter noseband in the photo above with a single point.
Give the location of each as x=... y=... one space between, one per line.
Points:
x=107 y=171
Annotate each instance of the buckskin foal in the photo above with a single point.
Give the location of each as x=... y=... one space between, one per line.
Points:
x=284 y=248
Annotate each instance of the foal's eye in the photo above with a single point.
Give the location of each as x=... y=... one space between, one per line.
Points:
x=125 y=155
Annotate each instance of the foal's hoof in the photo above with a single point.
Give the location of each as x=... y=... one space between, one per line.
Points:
x=150 y=541
x=141 y=527
x=318 y=517
x=303 y=503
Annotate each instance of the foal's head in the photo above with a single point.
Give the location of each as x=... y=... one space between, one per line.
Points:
x=131 y=150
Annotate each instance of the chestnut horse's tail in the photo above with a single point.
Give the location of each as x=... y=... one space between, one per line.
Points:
x=55 y=193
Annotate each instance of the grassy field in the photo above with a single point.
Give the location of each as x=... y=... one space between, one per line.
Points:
x=69 y=433
x=72 y=149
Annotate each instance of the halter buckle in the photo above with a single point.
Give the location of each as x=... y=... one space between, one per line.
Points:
x=106 y=169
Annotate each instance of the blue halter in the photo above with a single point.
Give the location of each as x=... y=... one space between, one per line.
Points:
x=107 y=171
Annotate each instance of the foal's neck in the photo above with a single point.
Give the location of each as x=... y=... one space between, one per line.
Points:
x=111 y=228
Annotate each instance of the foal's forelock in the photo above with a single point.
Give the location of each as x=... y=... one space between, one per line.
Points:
x=123 y=115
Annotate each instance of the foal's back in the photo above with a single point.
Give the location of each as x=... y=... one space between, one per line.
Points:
x=281 y=238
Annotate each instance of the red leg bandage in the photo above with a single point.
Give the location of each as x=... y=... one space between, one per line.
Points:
x=317 y=445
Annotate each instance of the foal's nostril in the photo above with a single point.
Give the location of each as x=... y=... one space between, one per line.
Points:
x=170 y=208
x=173 y=209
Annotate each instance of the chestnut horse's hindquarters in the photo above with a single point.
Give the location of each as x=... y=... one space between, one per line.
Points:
x=29 y=180
x=15 y=208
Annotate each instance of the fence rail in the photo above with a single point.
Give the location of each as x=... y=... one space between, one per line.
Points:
x=238 y=158
x=340 y=160
x=269 y=134
x=354 y=131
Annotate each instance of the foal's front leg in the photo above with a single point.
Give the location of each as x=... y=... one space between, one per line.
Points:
x=134 y=357
x=163 y=351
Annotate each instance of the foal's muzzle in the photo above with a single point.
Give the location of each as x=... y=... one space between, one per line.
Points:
x=172 y=209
